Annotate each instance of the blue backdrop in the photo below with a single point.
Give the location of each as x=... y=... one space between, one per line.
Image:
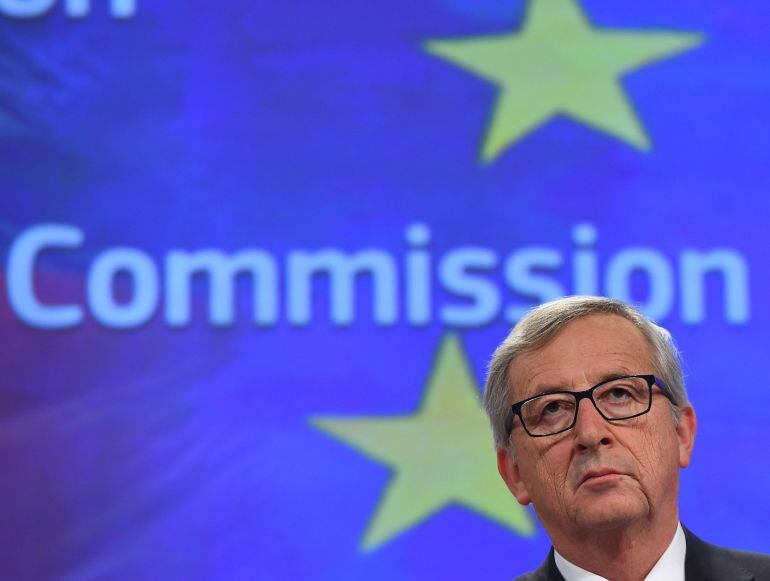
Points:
x=257 y=255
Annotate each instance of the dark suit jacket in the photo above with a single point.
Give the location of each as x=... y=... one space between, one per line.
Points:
x=703 y=562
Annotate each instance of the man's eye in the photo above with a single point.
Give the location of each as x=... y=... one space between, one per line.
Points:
x=619 y=394
x=554 y=407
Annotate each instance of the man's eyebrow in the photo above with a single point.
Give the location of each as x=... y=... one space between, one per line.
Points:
x=549 y=389
x=543 y=389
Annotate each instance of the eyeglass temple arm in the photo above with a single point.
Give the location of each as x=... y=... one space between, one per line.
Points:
x=664 y=388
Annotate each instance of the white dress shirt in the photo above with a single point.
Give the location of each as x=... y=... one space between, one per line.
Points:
x=670 y=566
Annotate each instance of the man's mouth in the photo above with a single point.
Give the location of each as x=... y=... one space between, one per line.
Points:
x=599 y=475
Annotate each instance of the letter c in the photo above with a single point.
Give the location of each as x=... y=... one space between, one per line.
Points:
x=21 y=265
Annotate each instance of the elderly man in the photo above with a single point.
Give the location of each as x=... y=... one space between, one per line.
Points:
x=592 y=423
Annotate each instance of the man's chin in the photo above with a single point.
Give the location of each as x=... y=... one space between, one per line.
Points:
x=612 y=510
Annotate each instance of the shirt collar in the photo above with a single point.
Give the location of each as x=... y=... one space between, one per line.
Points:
x=670 y=566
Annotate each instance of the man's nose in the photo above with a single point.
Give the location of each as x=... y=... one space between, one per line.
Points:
x=591 y=429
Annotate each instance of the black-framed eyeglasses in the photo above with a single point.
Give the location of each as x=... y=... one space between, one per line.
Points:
x=616 y=399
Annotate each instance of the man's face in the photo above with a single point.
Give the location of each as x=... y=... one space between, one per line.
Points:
x=598 y=475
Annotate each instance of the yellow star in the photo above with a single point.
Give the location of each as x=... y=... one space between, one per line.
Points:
x=440 y=455
x=559 y=64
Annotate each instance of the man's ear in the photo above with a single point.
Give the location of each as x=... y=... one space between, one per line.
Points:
x=685 y=432
x=509 y=470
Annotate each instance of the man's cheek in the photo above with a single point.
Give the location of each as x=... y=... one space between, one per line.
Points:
x=652 y=455
x=553 y=479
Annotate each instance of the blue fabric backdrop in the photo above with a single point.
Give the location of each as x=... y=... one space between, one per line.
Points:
x=161 y=417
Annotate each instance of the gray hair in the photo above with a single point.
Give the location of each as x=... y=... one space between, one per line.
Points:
x=542 y=323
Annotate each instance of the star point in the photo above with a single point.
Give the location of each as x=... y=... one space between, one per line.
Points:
x=441 y=455
x=557 y=64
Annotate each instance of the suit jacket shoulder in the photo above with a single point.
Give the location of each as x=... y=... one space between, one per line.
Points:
x=708 y=562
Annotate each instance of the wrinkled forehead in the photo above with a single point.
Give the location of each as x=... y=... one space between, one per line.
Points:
x=584 y=352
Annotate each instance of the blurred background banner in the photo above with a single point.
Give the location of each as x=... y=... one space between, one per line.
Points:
x=256 y=256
